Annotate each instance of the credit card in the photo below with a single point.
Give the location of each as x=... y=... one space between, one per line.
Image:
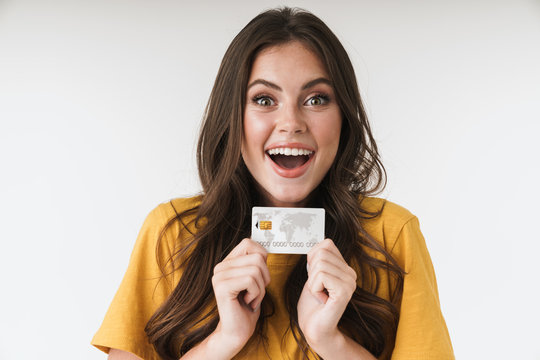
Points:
x=287 y=230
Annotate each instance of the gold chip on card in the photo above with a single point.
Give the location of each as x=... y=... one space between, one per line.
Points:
x=265 y=225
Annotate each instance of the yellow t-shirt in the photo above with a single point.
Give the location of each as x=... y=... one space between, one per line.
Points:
x=421 y=333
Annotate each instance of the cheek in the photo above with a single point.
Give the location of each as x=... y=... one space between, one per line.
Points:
x=329 y=132
x=256 y=131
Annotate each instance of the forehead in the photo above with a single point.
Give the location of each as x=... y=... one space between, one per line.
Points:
x=291 y=59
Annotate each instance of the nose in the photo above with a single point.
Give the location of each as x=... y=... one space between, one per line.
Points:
x=291 y=121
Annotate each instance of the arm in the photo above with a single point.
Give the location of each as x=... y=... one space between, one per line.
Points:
x=209 y=348
x=239 y=284
x=115 y=354
x=328 y=290
x=213 y=347
x=340 y=346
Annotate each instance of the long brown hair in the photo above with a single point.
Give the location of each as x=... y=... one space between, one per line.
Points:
x=222 y=219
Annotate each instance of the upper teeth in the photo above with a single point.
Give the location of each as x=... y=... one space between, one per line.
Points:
x=289 y=151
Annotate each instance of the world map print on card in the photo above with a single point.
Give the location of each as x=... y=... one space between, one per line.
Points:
x=287 y=230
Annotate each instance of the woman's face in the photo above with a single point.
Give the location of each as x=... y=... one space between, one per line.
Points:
x=292 y=124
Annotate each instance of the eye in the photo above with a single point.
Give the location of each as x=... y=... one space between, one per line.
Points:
x=318 y=100
x=263 y=100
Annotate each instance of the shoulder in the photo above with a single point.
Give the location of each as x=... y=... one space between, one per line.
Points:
x=168 y=210
x=164 y=214
x=390 y=221
x=168 y=220
x=391 y=214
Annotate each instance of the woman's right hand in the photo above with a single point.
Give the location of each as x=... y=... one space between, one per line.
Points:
x=239 y=284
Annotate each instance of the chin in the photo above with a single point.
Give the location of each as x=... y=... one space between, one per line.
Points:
x=289 y=200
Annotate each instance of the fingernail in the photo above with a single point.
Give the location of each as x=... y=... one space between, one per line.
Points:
x=307 y=267
x=255 y=308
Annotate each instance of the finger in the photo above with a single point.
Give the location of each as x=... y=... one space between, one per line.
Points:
x=253 y=296
x=327 y=250
x=326 y=244
x=256 y=302
x=324 y=257
x=336 y=288
x=255 y=259
x=320 y=293
x=239 y=272
x=339 y=270
x=231 y=288
x=249 y=298
x=247 y=246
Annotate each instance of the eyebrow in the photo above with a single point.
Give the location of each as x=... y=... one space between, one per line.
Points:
x=265 y=83
x=320 y=80
x=308 y=85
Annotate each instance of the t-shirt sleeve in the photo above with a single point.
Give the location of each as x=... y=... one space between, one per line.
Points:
x=142 y=291
x=422 y=333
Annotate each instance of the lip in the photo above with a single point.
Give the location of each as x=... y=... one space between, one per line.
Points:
x=290 y=173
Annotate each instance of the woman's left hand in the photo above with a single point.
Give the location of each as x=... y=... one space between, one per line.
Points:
x=328 y=289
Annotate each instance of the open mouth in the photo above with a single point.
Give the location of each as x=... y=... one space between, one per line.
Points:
x=289 y=158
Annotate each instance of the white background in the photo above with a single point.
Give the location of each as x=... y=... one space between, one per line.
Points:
x=100 y=103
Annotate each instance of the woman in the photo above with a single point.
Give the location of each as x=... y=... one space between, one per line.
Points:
x=285 y=127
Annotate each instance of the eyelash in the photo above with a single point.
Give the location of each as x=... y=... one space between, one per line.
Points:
x=258 y=98
x=324 y=99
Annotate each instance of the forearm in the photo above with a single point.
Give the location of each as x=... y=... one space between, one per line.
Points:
x=211 y=348
x=340 y=346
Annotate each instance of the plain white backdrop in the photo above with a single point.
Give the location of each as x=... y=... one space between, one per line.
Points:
x=100 y=104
